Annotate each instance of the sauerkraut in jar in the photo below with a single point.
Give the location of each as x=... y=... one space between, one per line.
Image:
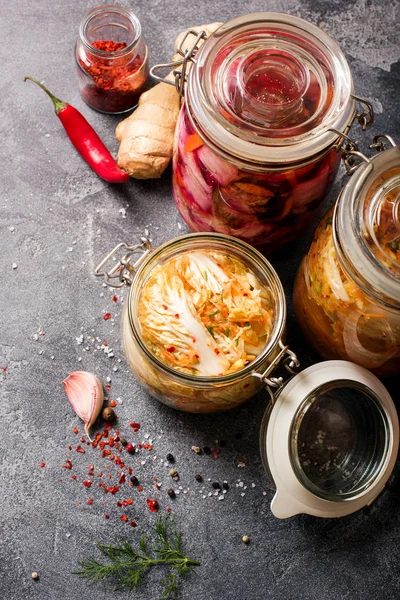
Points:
x=256 y=143
x=347 y=290
x=204 y=314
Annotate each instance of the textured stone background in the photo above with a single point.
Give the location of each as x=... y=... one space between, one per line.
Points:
x=64 y=220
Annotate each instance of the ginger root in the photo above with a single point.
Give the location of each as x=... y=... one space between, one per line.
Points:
x=146 y=137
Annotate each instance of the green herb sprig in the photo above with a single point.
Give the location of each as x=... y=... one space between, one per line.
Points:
x=129 y=566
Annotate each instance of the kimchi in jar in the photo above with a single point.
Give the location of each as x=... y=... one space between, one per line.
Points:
x=347 y=290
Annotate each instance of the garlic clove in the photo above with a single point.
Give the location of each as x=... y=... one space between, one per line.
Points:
x=85 y=393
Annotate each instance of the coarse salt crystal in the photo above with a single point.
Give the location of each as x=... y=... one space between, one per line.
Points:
x=11 y=228
x=221 y=498
x=108 y=379
x=14 y=266
x=123 y=212
x=243 y=494
x=253 y=485
x=179 y=226
x=264 y=493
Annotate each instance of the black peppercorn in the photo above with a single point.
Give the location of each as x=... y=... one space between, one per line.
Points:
x=207 y=450
x=171 y=493
x=216 y=485
x=198 y=477
x=225 y=485
x=108 y=415
x=134 y=480
x=170 y=457
x=222 y=444
x=124 y=442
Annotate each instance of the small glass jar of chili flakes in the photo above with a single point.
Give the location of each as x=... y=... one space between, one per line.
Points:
x=112 y=59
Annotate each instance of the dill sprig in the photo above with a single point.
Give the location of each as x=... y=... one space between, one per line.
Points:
x=129 y=566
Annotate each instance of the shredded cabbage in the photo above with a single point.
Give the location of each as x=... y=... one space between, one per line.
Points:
x=205 y=313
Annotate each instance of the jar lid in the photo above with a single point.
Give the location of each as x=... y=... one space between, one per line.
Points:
x=267 y=87
x=367 y=226
x=330 y=441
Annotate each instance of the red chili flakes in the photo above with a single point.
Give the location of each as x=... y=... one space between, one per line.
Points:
x=91 y=467
x=133 y=524
x=176 y=316
x=90 y=473
x=140 y=488
x=70 y=447
x=152 y=505
x=216 y=351
x=75 y=430
x=215 y=456
x=73 y=477
x=169 y=509
x=106 y=516
x=107 y=316
x=68 y=464
x=165 y=307
x=171 y=349
x=113 y=404
x=80 y=449
x=90 y=501
x=124 y=518
x=135 y=426
x=82 y=440
x=87 y=483
x=158 y=486
x=113 y=489
x=119 y=504
x=114 y=299
x=122 y=479
x=108 y=387
x=148 y=446
x=42 y=465
x=216 y=450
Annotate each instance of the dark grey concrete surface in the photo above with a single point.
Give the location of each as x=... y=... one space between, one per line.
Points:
x=57 y=220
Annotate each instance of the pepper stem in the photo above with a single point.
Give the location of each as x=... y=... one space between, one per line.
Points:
x=59 y=105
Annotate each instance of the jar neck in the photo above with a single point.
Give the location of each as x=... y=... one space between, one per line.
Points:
x=366 y=228
x=110 y=23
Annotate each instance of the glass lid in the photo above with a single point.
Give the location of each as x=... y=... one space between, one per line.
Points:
x=367 y=227
x=268 y=80
x=339 y=440
x=330 y=440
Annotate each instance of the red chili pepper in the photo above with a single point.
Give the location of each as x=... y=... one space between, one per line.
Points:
x=86 y=140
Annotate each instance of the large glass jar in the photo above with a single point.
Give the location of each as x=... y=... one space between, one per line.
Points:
x=199 y=390
x=347 y=290
x=112 y=59
x=256 y=145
